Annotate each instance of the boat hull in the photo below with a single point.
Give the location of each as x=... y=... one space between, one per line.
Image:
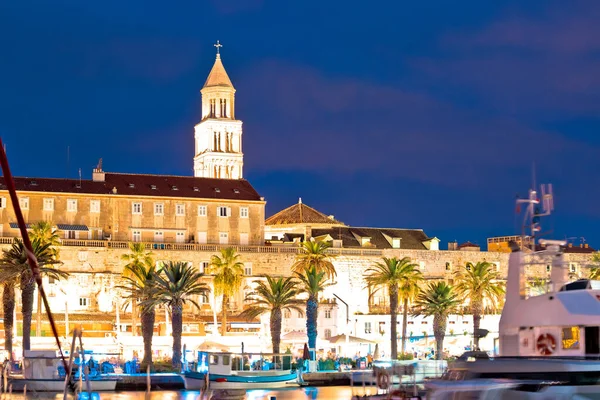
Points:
x=195 y=380
x=58 y=385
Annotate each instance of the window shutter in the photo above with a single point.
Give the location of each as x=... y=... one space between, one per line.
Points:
x=2 y=202
x=229 y=211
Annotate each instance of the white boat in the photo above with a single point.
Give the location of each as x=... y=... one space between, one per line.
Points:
x=549 y=344
x=41 y=374
x=226 y=371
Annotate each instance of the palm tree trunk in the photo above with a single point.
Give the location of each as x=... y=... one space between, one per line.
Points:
x=8 y=306
x=224 y=315
x=27 y=294
x=394 y=320
x=177 y=327
x=312 y=311
x=439 y=331
x=404 y=323
x=276 y=329
x=148 y=318
x=476 y=309
x=133 y=314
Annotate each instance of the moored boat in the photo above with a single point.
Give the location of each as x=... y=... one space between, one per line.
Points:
x=228 y=371
x=549 y=343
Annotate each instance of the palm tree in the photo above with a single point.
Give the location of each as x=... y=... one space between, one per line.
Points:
x=44 y=231
x=137 y=258
x=16 y=266
x=312 y=283
x=8 y=307
x=228 y=272
x=401 y=277
x=139 y=279
x=438 y=300
x=314 y=254
x=273 y=296
x=173 y=287
x=479 y=284
x=537 y=286
x=595 y=267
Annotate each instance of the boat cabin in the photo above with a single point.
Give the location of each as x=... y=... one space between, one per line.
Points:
x=563 y=322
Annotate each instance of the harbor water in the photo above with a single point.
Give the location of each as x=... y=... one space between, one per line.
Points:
x=302 y=393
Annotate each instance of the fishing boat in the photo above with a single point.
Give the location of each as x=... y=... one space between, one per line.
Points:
x=41 y=373
x=549 y=344
x=227 y=370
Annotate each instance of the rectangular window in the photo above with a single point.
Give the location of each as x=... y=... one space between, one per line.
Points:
x=48 y=204
x=243 y=212
x=248 y=269
x=136 y=208
x=159 y=208
x=422 y=265
x=83 y=302
x=244 y=239
x=448 y=266
x=203 y=266
x=202 y=238
x=224 y=211
x=137 y=236
x=570 y=338
x=328 y=313
x=72 y=205
x=24 y=203
x=2 y=202
x=180 y=210
x=180 y=237
x=223 y=237
x=159 y=236
x=367 y=327
x=202 y=211
x=95 y=206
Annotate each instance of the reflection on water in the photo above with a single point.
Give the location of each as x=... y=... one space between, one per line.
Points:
x=311 y=393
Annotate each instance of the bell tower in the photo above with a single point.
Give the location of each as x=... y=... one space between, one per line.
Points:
x=218 y=149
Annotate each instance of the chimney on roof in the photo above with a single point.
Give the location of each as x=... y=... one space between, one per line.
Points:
x=98 y=173
x=586 y=245
x=331 y=217
x=299 y=200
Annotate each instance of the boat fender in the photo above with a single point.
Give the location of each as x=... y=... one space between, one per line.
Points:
x=546 y=344
x=221 y=380
x=383 y=380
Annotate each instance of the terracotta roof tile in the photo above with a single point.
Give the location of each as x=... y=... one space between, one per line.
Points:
x=300 y=214
x=144 y=185
x=409 y=238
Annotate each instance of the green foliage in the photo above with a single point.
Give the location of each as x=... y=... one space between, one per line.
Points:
x=275 y=293
x=405 y=356
x=438 y=299
x=314 y=255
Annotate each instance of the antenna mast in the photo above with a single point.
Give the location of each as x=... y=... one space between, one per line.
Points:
x=533 y=212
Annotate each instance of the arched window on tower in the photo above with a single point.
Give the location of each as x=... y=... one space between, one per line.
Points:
x=212 y=108
x=215 y=147
x=224 y=112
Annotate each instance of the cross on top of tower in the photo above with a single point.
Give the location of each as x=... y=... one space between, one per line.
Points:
x=218 y=46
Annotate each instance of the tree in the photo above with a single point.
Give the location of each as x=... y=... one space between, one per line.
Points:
x=314 y=254
x=401 y=277
x=480 y=285
x=313 y=267
x=273 y=296
x=438 y=300
x=228 y=272
x=312 y=282
x=139 y=279
x=537 y=286
x=8 y=307
x=16 y=267
x=44 y=231
x=174 y=286
x=595 y=266
x=137 y=258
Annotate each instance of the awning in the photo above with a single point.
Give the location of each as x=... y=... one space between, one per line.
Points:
x=15 y=225
x=66 y=227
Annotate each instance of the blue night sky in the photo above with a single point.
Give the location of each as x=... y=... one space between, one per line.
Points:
x=392 y=114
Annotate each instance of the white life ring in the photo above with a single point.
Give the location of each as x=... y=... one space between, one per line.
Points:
x=545 y=344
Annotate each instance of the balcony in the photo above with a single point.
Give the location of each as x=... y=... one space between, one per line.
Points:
x=111 y=244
